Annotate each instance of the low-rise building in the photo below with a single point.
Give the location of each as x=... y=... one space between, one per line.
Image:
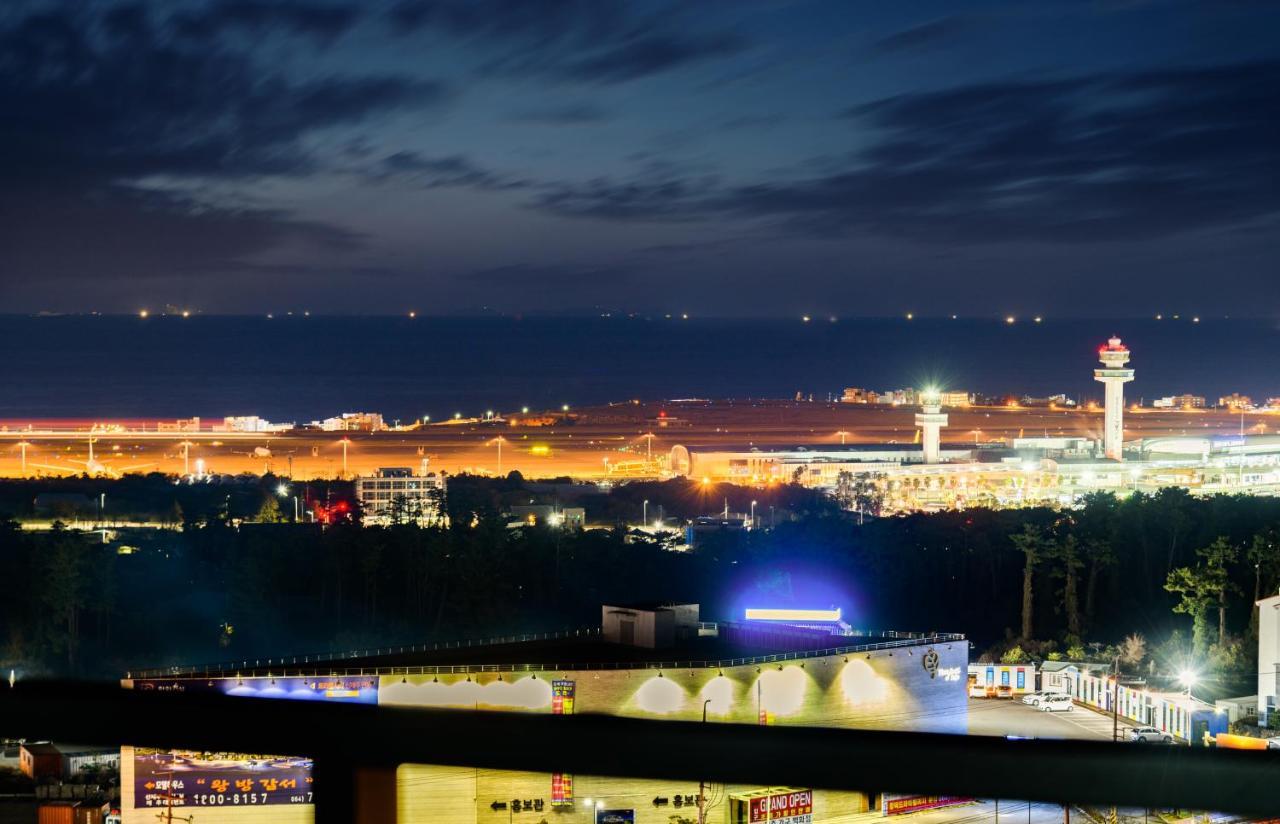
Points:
x=47 y=760
x=250 y=423
x=569 y=517
x=1180 y=402
x=183 y=425
x=1235 y=401
x=398 y=495
x=354 y=422
x=855 y=394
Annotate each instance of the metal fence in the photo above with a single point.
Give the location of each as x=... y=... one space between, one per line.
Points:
x=307 y=665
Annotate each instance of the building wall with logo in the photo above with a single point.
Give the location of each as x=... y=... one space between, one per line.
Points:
x=427 y=793
x=885 y=689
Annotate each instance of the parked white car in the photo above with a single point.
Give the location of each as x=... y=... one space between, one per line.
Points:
x=1035 y=699
x=1144 y=734
x=1057 y=702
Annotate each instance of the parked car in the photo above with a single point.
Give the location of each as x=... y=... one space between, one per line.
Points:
x=1057 y=703
x=1037 y=698
x=1144 y=735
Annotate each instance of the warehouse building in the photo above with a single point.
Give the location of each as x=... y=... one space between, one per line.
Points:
x=656 y=661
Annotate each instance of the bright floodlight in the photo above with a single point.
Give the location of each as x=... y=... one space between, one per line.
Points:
x=282 y=490
x=1188 y=678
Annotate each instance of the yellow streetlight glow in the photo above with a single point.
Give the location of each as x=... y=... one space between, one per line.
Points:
x=143 y=313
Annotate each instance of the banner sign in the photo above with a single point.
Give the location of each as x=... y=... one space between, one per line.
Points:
x=901 y=804
x=561 y=789
x=562 y=693
x=791 y=807
x=352 y=690
x=179 y=778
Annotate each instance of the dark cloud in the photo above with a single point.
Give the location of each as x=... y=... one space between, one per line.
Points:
x=647 y=55
x=140 y=236
x=640 y=199
x=324 y=21
x=922 y=36
x=440 y=172
x=574 y=40
x=571 y=115
x=1115 y=157
x=134 y=105
x=110 y=103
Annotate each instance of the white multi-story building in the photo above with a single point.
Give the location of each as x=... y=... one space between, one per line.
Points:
x=354 y=421
x=1268 y=657
x=399 y=495
x=250 y=423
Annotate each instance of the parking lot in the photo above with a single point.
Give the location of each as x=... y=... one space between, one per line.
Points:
x=1009 y=716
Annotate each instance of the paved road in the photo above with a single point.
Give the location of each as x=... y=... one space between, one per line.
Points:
x=1002 y=716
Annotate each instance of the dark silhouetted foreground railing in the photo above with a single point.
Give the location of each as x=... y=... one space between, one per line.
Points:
x=356 y=749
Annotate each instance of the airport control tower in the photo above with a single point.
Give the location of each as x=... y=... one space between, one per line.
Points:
x=931 y=419
x=1114 y=355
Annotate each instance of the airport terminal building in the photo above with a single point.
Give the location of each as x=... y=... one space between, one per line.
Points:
x=657 y=661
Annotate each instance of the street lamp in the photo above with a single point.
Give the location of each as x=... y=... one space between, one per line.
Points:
x=644 y=519
x=1188 y=678
x=498 y=440
x=345 y=443
x=753 y=514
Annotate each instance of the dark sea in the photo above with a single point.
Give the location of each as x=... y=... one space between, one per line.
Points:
x=304 y=368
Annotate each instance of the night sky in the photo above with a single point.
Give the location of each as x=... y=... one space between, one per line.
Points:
x=723 y=157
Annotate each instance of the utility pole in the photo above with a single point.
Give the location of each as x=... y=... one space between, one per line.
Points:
x=22 y=446
x=167 y=816
x=1115 y=700
x=702 y=793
